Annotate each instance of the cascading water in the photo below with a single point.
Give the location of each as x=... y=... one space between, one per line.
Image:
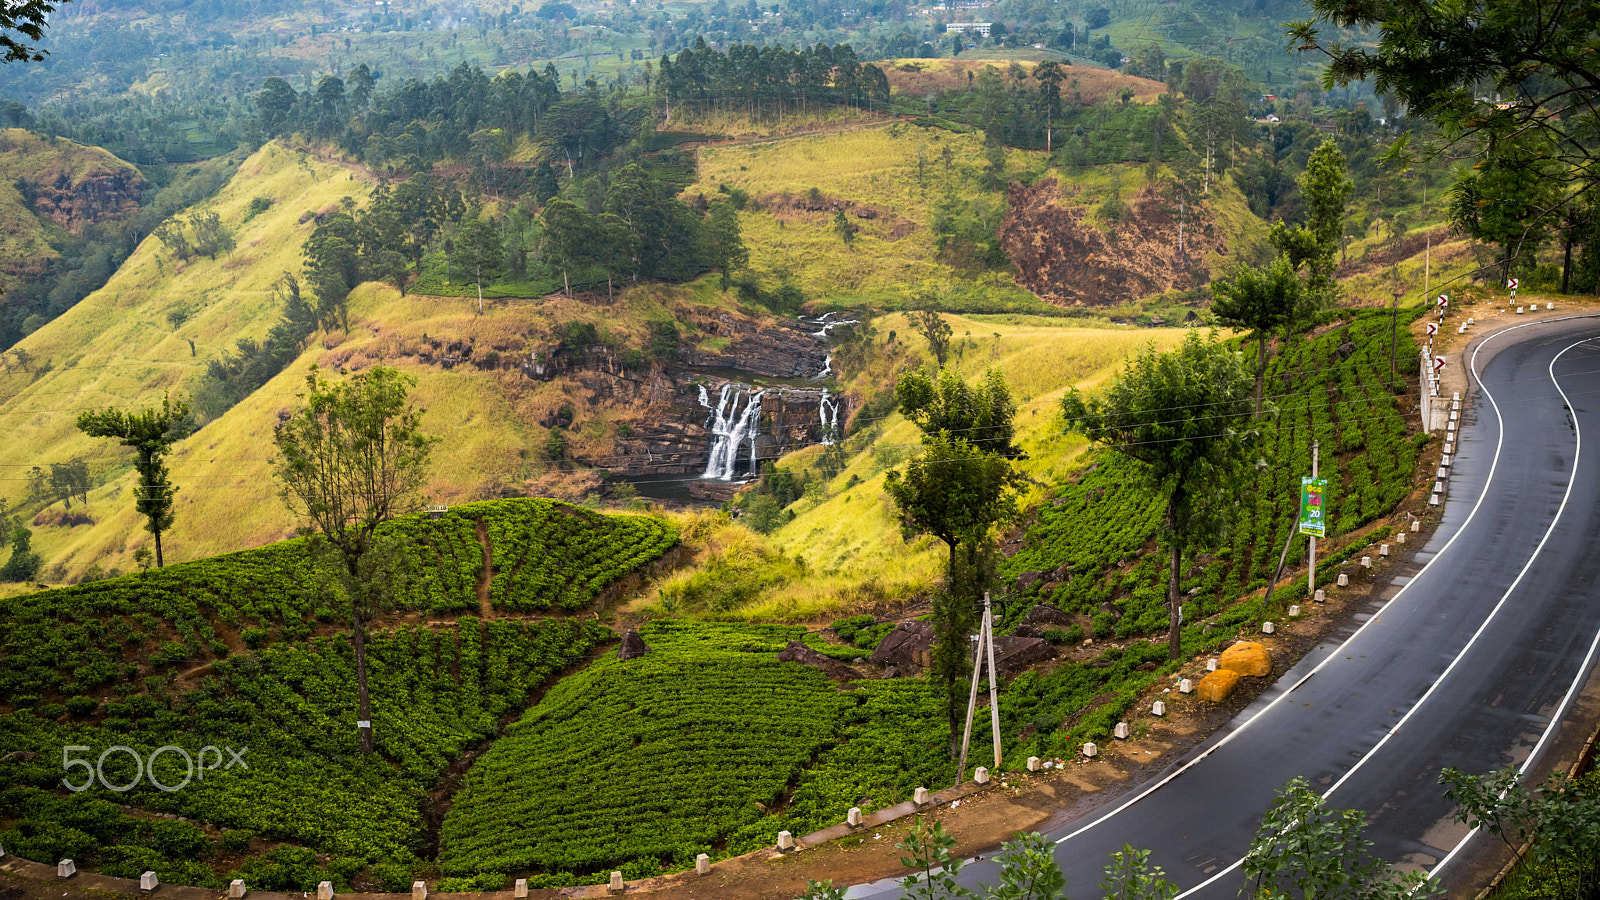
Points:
x=829 y=413
x=728 y=434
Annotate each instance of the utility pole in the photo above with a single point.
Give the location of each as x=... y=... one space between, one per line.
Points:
x=994 y=678
x=985 y=644
x=972 y=706
x=1311 y=580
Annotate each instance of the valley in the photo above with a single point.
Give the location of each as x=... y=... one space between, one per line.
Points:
x=597 y=445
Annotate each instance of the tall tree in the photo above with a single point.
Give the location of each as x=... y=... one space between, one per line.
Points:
x=1180 y=415
x=350 y=458
x=1324 y=188
x=958 y=490
x=1491 y=76
x=150 y=433
x=1260 y=300
x=724 y=242
x=479 y=248
x=935 y=330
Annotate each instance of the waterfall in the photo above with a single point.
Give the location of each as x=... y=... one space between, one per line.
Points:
x=828 y=326
x=827 y=368
x=829 y=413
x=728 y=433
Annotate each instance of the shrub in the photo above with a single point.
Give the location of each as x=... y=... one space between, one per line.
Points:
x=253 y=637
x=83 y=706
x=237 y=840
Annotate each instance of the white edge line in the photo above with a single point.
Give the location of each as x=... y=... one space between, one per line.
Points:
x=1472 y=369
x=1583 y=671
x=1499 y=441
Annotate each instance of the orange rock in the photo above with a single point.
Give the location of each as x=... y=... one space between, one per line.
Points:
x=1246 y=658
x=1218 y=685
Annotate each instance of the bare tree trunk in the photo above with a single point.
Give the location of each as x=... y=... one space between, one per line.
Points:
x=1174 y=609
x=1261 y=369
x=358 y=640
x=157 y=533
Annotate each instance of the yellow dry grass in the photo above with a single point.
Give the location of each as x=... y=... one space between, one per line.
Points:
x=893 y=253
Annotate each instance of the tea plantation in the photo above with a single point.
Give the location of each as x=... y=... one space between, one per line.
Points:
x=1100 y=525
x=707 y=744
x=251 y=652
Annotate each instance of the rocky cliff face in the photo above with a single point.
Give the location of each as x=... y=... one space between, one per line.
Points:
x=1066 y=257
x=777 y=351
x=95 y=195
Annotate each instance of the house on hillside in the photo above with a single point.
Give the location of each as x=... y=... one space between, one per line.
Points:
x=970 y=27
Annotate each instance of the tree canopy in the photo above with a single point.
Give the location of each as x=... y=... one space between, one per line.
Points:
x=150 y=433
x=1181 y=414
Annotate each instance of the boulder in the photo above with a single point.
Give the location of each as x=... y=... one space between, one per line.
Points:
x=1246 y=658
x=1045 y=615
x=907 y=647
x=1027 y=580
x=1012 y=654
x=633 y=646
x=797 y=652
x=1216 y=686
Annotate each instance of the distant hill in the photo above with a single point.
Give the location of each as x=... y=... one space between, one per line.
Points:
x=50 y=188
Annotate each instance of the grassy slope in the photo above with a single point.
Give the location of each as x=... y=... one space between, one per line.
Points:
x=875 y=166
x=1041 y=359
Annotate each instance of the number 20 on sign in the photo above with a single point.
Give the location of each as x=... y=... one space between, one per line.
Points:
x=1313 y=508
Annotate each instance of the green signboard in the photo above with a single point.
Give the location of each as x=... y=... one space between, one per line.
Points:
x=1313 y=506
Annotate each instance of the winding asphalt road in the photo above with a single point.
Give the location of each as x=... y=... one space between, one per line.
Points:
x=1470 y=661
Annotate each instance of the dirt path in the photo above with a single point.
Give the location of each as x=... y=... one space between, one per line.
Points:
x=486 y=573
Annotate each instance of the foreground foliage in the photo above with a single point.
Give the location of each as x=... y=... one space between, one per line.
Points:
x=436 y=693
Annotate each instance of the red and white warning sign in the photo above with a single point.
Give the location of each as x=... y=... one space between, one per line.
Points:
x=1438 y=363
x=1444 y=299
x=1511 y=283
x=1433 y=328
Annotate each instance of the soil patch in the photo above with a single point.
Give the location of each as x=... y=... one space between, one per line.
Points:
x=1069 y=257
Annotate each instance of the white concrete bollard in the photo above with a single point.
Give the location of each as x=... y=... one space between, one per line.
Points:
x=1294 y=612
x=1121 y=731
x=1268 y=628
x=1519 y=310
x=1344 y=580
x=1090 y=750
x=1366 y=562
x=66 y=868
x=1549 y=306
x=1185 y=686
x=920 y=795
x=785 y=841
x=1400 y=538
x=1033 y=764
x=419 y=890
x=981 y=775
x=1454 y=415
x=519 y=889
x=1383 y=549
x=1449 y=448
x=1438 y=487
x=853 y=817
x=237 y=890
x=1321 y=596
x=148 y=882
x=1433 y=500
x=325 y=891
x=1158 y=708
x=616 y=886
x=1211 y=665
x=1469 y=320
x=1416 y=524
x=1461 y=330
x=702 y=864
